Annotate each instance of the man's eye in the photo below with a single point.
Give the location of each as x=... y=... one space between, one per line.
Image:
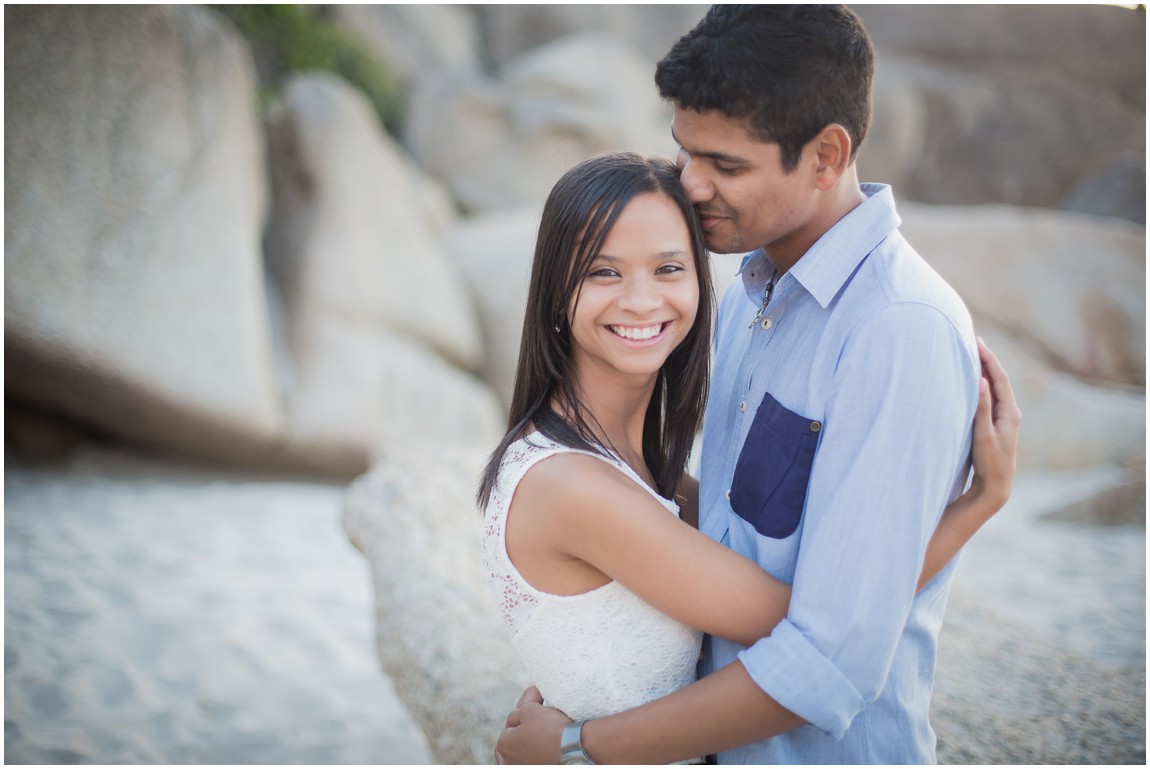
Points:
x=726 y=170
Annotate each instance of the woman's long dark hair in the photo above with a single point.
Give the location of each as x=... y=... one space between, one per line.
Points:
x=577 y=218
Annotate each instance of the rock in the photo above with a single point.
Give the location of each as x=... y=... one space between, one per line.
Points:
x=969 y=136
x=135 y=198
x=503 y=142
x=348 y=236
x=967 y=112
x=365 y=284
x=493 y=253
x=511 y=30
x=362 y=393
x=1122 y=504
x=40 y=436
x=988 y=34
x=441 y=639
x=1060 y=298
x=1071 y=285
x=1117 y=190
x=1069 y=424
x=414 y=39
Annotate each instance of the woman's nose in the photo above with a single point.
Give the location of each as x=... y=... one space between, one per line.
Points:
x=641 y=296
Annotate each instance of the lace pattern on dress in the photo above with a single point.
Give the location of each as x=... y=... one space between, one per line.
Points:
x=590 y=654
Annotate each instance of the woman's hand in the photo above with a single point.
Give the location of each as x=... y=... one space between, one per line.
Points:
x=995 y=445
x=532 y=732
x=993 y=450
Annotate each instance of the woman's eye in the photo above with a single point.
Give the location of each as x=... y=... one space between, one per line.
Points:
x=602 y=272
x=667 y=269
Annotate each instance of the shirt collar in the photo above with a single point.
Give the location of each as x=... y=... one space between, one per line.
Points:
x=827 y=265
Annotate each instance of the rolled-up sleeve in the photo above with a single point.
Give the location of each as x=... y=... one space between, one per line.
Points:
x=895 y=438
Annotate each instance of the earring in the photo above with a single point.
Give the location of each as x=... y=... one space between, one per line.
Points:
x=557 y=329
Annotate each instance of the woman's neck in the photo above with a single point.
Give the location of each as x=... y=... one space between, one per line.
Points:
x=615 y=411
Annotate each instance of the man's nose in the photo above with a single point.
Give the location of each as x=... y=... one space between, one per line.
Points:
x=698 y=189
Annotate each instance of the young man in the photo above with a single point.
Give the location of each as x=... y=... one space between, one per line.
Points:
x=845 y=383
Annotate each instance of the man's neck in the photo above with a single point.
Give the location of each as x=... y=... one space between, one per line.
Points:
x=837 y=203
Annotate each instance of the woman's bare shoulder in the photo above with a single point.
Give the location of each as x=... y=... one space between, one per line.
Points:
x=578 y=486
x=573 y=472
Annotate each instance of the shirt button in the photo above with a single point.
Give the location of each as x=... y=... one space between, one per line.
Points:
x=767 y=323
x=743 y=406
x=815 y=427
x=728 y=493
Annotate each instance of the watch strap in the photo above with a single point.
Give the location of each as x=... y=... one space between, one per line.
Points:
x=571 y=745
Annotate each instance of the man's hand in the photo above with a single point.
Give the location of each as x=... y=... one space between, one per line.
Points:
x=532 y=732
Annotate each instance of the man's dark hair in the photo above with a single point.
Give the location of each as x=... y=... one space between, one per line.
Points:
x=788 y=70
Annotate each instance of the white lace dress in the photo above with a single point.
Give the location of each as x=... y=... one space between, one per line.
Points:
x=591 y=654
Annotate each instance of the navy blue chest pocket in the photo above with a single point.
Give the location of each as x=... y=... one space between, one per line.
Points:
x=774 y=468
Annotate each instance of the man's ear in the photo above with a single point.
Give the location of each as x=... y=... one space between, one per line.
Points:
x=832 y=151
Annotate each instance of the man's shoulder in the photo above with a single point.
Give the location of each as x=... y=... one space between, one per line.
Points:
x=895 y=274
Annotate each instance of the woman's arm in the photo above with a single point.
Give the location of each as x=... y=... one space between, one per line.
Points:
x=573 y=512
x=995 y=443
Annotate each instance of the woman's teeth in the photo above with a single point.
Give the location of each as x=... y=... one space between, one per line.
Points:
x=637 y=334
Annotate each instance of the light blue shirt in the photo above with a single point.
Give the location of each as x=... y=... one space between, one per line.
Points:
x=866 y=369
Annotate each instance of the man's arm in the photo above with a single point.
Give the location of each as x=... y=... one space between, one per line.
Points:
x=894 y=442
x=724 y=710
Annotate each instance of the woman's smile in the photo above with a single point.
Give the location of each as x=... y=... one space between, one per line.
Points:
x=645 y=333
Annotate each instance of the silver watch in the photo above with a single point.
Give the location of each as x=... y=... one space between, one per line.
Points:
x=571 y=745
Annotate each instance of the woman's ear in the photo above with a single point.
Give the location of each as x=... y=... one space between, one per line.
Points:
x=832 y=152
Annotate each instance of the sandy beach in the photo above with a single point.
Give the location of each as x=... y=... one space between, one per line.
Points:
x=161 y=614
x=158 y=612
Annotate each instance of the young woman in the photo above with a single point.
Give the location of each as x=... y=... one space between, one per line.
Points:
x=605 y=590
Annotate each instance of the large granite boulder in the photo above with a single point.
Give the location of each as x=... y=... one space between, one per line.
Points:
x=441 y=639
x=360 y=268
x=493 y=254
x=970 y=111
x=349 y=234
x=414 y=39
x=1073 y=286
x=502 y=142
x=134 y=204
x=1061 y=299
x=1068 y=423
x=511 y=30
x=1028 y=34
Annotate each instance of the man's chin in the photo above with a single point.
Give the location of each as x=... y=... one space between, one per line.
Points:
x=725 y=246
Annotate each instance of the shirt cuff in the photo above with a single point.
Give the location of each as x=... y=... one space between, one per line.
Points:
x=800 y=678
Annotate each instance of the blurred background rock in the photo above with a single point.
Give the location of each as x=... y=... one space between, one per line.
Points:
x=296 y=239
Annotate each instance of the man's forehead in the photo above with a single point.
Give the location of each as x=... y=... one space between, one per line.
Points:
x=713 y=134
